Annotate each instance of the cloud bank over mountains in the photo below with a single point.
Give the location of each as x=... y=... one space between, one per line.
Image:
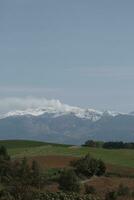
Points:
x=9 y=104
x=15 y=103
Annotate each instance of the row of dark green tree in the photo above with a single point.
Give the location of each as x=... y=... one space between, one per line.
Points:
x=109 y=145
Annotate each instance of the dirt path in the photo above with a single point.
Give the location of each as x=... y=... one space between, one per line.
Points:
x=89 y=180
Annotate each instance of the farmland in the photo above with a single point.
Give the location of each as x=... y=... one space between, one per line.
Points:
x=19 y=149
x=52 y=158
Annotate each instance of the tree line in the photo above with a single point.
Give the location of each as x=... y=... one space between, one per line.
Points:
x=109 y=145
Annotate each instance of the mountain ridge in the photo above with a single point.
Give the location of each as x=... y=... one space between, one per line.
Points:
x=61 y=123
x=59 y=109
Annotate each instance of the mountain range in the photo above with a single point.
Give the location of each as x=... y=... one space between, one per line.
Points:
x=61 y=123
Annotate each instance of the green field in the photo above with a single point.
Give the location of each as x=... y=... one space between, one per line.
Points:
x=25 y=143
x=22 y=148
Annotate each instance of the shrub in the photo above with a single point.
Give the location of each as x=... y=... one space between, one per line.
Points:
x=89 y=189
x=92 y=143
x=64 y=196
x=112 y=195
x=132 y=194
x=68 y=181
x=101 y=168
x=4 y=154
x=35 y=174
x=123 y=190
x=89 y=166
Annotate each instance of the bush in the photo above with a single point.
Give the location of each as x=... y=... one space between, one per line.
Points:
x=123 y=190
x=132 y=194
x=92 y=143
x=101 y=168
x=89 y=166
x=89 y=189
x=112 y=195
x=4 y=154
x=64 y=196
x=68 y=181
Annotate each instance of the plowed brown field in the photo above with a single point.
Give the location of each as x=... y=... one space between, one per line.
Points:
x=53 y=161
x=64 y=161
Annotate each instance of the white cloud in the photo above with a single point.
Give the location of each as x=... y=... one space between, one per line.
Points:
x=15 y=103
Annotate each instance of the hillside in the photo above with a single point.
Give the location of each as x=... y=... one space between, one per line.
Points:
x=15 y=144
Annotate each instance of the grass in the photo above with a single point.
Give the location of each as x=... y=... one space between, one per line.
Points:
x=15 y=144
x=18 y=149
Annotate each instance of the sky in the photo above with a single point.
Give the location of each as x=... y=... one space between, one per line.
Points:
x=78 y=51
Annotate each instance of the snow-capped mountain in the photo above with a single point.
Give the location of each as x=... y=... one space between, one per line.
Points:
x=58 y=109
x=61 y=123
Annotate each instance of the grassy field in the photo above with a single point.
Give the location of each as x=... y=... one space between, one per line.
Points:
x=25 y=144
x=18 y=149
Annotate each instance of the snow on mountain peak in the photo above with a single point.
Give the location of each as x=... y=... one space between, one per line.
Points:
x=56 y=108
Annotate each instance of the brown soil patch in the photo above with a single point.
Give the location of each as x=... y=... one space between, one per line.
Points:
x=53 y=161
x=106 y=184
x=122 y=171
x=74 y=147
x=53 y=187
x=64 y=161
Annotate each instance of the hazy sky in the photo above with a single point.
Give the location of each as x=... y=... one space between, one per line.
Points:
x=78 y=51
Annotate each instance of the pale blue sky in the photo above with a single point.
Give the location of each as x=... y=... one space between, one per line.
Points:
x=78 y=51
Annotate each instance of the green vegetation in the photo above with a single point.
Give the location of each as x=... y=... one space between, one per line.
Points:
x=18 y=177
x=20 y=149
x=109 y=145
x=63 y=196
x=89 y=189
x=69 y=181
x=121 y=191
x=23 y=181
x=92 y=143
x=25 y=144
x=89 y=166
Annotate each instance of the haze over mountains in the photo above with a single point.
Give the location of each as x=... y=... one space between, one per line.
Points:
x=57 y=122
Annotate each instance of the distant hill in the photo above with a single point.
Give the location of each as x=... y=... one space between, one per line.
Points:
x=16 y=144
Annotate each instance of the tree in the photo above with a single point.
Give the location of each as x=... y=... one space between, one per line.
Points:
x=35 y=174
x=4 y=154
x=23 y=174
x=90 y=143
x=68 y=181
x=89 y=166
x=101 y=169
x=5 y=164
